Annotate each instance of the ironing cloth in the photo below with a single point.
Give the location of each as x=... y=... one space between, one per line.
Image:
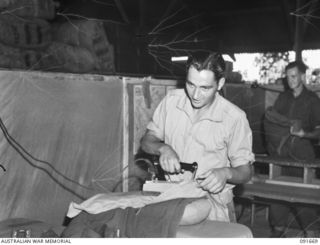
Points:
x=107 y=201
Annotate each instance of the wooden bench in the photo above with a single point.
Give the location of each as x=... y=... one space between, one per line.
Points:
x=276 y=164
x=275 y=186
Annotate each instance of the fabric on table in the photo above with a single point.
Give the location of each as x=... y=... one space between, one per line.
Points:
x=154 y=220
x=220 y=202
x=104 y=202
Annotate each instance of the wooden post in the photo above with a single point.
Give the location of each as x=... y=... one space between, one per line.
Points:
x=308 y=175
x=125 y=137
x=274 y=171
x=298 y=34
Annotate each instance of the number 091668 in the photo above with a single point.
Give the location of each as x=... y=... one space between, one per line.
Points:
x=309 y=241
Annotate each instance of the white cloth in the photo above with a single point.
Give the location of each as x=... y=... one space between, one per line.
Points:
x=219 y=202
x=107 y=201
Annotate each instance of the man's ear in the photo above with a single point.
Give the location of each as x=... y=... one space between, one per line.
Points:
x=221 y=83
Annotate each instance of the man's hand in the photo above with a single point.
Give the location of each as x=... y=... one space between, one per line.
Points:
x=169 y=159
x=300 y=133
x=214 y=180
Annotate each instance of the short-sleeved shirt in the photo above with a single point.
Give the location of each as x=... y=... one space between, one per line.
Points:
x=220 y=138
x=305 y=107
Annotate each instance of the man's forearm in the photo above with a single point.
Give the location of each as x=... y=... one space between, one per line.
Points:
x=169 y=160
x=315 y=134
x=151 y=144
x=239 y=175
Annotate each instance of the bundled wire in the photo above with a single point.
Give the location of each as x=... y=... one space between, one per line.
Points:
x=25 y=154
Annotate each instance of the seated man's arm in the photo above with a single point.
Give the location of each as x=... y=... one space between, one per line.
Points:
x=314 y=122
x=315 y=134
x=169 y=159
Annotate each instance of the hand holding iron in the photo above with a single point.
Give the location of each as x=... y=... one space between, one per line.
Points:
x=169 y=160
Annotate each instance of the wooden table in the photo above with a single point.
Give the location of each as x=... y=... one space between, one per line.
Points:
x=282 y=192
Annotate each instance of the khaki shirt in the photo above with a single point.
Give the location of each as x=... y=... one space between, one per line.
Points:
x=221 y=138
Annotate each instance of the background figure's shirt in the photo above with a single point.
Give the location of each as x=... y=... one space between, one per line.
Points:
x=305 y=107
x=221 y=138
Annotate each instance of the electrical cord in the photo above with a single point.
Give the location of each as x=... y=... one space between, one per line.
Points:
x=17 y=147
x=10 y=138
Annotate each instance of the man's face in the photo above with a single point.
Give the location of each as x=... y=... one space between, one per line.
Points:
x=201 y=87
x=295 y=78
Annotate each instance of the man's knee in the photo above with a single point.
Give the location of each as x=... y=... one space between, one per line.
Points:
x=196 y=212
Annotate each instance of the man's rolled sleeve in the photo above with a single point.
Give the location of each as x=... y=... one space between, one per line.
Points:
x=240 y=146
x=157 y=124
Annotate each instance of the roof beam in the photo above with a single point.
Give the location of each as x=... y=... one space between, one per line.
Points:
x=169 y=9
x=246 y=11
x=122 y=11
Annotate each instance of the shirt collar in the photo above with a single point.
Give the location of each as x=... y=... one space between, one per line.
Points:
x=302 y=94
x=214 y=113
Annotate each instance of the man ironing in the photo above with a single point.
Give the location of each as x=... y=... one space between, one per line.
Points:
x=196 y=124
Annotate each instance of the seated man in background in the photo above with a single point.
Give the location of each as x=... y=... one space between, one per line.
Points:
x=291 y=125
x=196 y=124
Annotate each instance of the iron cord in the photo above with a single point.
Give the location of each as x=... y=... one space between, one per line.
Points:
x=25 y=154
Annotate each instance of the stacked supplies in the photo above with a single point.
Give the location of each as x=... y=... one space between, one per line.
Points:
x=29 y=41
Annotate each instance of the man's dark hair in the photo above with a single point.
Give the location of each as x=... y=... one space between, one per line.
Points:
x=213 y=62
x=302 y=67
